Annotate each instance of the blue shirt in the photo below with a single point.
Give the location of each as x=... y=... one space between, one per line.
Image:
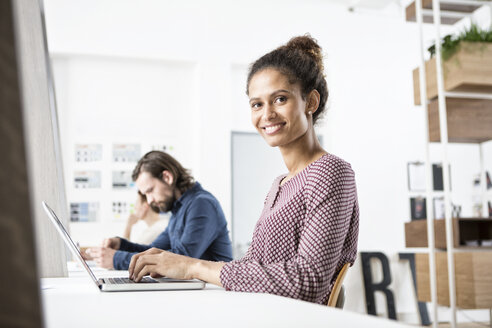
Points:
x=197 y=228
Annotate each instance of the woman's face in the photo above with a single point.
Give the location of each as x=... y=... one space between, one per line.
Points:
x=278 y=111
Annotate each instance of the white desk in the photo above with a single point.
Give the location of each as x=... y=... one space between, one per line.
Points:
x=77 y=302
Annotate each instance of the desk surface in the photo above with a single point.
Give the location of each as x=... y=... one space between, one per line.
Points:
x=77 y=302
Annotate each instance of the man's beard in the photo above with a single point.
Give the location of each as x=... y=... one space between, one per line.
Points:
x=164 y=206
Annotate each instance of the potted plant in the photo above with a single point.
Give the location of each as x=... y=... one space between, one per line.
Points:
x=467 y=67
x=467 y=64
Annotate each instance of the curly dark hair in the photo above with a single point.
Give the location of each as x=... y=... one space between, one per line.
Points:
x=155 y=162
x=301 y=60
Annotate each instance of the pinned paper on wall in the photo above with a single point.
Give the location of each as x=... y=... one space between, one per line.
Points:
x=122 y=180
x=121 y=209
x=164 y=147
x=84 y=212
x=87 y=179
x=88 y=152
x=416 y=176
x=438 y=203
x=126 y=152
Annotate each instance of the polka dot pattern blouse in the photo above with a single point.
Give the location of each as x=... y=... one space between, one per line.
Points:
x=307 y=231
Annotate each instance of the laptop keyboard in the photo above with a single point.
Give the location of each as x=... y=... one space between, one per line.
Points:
x=129 y=281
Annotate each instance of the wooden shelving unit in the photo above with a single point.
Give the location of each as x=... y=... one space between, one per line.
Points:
x=466 y=231
x=472 y=278
x=451 y=12
x=462 y=112
x=468 y=70
x=468 y=120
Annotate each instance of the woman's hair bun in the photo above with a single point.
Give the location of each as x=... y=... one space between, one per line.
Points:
x=309 y=45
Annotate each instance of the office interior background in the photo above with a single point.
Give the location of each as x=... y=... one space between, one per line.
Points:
x=134 y=76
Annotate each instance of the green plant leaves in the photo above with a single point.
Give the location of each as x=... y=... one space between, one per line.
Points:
x=450 y=43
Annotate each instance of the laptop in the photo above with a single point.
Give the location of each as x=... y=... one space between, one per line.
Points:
x=120 y=284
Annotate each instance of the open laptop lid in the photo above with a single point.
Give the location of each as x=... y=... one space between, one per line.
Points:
x=68 y=241
x=163 y=283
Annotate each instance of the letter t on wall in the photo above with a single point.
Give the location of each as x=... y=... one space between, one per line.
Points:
x=424 y=316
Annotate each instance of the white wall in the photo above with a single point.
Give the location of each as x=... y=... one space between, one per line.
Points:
x=106 y=100
x=371 y=122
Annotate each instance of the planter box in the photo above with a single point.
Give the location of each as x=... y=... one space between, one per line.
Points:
x=472 y=277
x=468 y=70
x=465 y=231
x=468 y=120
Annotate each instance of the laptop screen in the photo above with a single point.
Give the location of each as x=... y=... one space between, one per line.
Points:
x=68 y=241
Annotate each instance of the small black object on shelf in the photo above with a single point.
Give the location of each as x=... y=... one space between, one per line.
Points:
x=418 y=208
x=437 y=177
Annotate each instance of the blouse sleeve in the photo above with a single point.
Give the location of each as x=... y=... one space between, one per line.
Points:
x=331 y=209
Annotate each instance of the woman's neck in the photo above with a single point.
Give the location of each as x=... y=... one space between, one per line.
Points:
x=300 y=153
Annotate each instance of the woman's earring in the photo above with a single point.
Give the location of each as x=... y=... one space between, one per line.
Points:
x=310 y=113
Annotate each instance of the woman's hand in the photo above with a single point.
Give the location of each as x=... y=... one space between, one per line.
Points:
x=156 y=263
x=132 y=219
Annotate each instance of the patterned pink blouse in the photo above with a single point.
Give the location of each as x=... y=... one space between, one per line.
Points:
x=307 y=231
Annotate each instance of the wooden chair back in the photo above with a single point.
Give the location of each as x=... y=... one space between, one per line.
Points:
x=338 y=290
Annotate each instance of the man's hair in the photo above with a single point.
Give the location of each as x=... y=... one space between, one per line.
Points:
x=155 y=162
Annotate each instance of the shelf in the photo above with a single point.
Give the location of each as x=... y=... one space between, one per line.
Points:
x=468 y=70
x=465 y=230
x=422 y=193
x=468 y=120
x=451 y=11
x=467 y=91
x=473 y=280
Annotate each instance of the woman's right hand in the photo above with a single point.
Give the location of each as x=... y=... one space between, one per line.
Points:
x=132 y=219
x=113 y=243
x=158 y=263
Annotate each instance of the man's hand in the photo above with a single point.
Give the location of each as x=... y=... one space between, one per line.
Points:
x=157 y=263
x=103 y=256
x=113 y=243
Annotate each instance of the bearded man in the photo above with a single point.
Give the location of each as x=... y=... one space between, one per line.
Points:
x=197 y=227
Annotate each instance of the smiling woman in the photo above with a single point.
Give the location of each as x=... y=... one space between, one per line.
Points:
x=277 y=108
x=309 y=225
